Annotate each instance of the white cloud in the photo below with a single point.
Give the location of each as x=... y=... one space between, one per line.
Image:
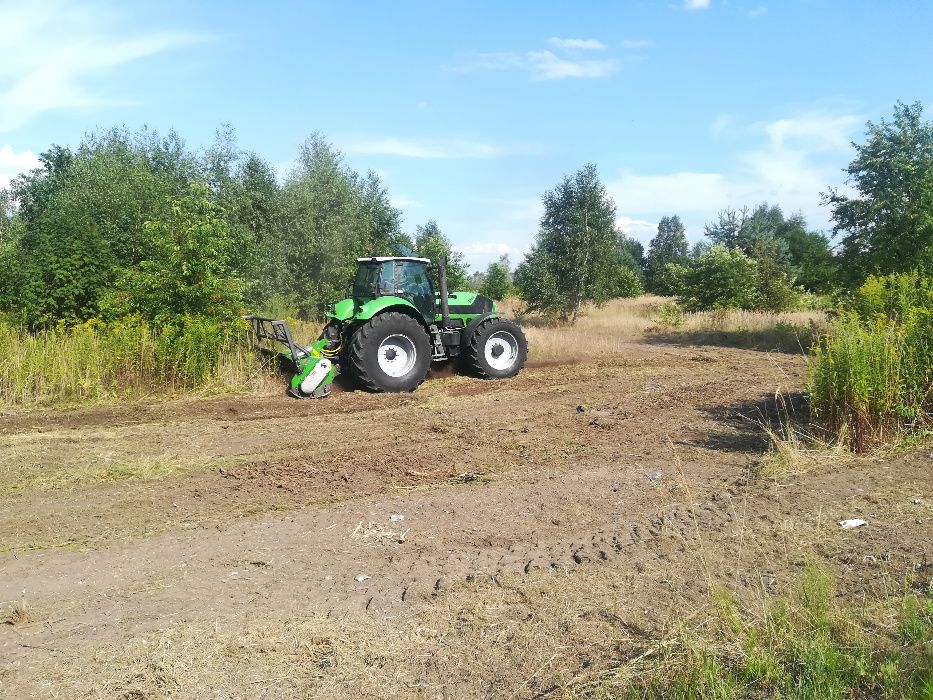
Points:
x=13 y=163
x=696 y=4
x=546 y=66
x=53 y=51
x=577 y=44
x=637 y=44
x=757 y=12
x=792 y=161
x=416 y=149
x=637 y=228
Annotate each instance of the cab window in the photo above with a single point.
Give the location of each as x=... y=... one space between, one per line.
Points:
x=413 y=283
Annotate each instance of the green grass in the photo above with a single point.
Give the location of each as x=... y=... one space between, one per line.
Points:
x=98 y=362
x=871 y=377
x=805 y=647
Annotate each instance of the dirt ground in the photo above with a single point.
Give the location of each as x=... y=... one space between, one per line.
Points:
x=472 y=539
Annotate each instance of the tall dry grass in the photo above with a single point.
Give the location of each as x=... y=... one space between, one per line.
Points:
x=608 y=330
x=99 y=362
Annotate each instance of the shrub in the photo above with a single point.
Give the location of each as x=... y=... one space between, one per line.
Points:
x=720 y=278
x=628 y=283
x=496 y=284
x=670 y=315
x=871 y=377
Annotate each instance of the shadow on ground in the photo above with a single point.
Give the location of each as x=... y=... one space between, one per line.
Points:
x=789 y=340
x=744 y=423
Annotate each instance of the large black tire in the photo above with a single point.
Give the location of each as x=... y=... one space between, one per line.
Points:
x=501 y=337
x=369 y=342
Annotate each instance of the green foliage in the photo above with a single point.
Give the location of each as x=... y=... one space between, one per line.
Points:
x=888 y=226
x=670 y=315
x=323 y=231
x=435 y=246
x=101 y=361
x=497 y=282
x=668 y=247
x=186 y=273
x=804 y=648
x=720 y=278
x=574 y=257
x=871 y=378
x=627 y=283
x=775 y=286
x=630 y=253
x=798 y=253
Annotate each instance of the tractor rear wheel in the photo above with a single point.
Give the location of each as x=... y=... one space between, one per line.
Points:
x=390 y=352
x=497 y=349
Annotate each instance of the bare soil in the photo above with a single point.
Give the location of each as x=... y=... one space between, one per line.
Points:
x=472 y=539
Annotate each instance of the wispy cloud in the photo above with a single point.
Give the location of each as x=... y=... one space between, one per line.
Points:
x=408 y=148
x=13 y=163
x=637 y=44
x=577 y=44
x=696 y=4
x=636 y=228
x=546 y=64
x=757 y=12
x=54 y=51
x=789 y=162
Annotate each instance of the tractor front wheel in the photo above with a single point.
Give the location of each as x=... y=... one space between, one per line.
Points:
x=497 y=349
x=390 y=352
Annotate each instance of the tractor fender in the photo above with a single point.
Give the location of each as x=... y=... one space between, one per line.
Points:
x=388 y=303
x=472 y=325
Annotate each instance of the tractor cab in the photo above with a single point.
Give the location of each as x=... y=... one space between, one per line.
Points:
x=403 y=277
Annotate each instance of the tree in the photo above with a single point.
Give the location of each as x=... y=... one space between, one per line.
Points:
x=720 y=278
x=775 y=288
x=668 y=246
x=887 y=226
x=435 y=246
x=496 y=283
x=630 y=253
x=323 y=228
x=727 y=229
x=573 y=260
x=187 y=273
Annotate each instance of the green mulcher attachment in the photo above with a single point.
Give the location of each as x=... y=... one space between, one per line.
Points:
x=393 y=326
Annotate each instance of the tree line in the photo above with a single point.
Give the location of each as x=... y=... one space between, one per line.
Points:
x=138 y=225
x=756 y=258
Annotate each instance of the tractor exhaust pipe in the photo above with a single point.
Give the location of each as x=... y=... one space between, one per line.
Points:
x=442 y=278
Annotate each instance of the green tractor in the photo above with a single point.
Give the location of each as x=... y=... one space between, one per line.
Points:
x=393 y=326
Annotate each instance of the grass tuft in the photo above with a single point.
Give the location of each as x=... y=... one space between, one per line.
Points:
x=804 y=647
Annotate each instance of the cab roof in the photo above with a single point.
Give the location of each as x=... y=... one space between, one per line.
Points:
x=387 y=258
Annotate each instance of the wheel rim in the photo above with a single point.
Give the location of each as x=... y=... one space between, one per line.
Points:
x=397 y=355
x=501 y=350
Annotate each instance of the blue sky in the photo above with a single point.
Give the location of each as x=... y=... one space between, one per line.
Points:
x=471 y=110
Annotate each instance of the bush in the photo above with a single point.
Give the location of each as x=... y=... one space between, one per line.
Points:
x=670 y=315
x=720 y=278
x=628 y=283
x=496 y=284
x=871 y=377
